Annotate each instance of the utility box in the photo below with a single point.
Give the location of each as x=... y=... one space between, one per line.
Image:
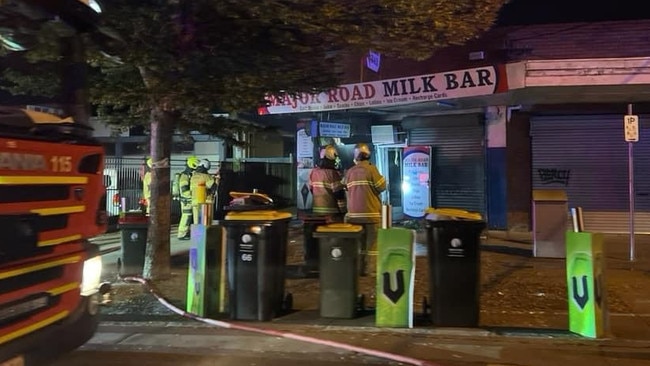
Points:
x=206 y=273
x=550 y=221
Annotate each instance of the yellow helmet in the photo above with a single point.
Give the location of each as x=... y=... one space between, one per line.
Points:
x=192 y=162
x=361 y=151
x=329 y=152
x=149 y=162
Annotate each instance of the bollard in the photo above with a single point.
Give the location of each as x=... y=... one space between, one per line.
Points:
x=386 y=216
x=395 y=274
x=204 y=214
x=585 y=273
x=201 y=193
x=206 y=272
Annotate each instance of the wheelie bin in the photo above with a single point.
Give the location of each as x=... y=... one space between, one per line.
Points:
x=453 y=239
x=339 y=246
x=133 y=226
x=256 y=257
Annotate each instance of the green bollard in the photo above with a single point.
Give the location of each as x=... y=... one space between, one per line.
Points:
x=204 y=297
x=395 y=277
x=585 y=263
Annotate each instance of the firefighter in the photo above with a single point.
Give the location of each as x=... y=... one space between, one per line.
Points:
x=191 y=164
x=327 y=188
x=201 y=177
x=364 y=185
x=146 y=185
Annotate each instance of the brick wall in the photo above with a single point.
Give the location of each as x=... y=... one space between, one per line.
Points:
x=614 y=39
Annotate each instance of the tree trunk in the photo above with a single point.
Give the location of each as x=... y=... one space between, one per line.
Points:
x=75 y=89
x=158 y=256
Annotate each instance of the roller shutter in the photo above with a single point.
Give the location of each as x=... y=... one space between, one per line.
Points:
x=588 y=157
x=458 y=155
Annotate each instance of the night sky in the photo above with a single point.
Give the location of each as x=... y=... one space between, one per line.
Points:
x=519 y=12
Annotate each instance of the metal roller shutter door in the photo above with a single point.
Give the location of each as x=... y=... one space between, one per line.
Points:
x=587 y=156
x=458 y=155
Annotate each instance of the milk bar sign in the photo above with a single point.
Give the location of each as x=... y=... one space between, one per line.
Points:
x=381 y=93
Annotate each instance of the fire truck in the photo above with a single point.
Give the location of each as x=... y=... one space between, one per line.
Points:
x=51 y=195
x=52 y=200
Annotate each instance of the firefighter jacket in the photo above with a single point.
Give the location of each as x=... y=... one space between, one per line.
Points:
x=184 y=186
x=327 y=190
x=364 y=184
x=200 y=177
x=146 y=189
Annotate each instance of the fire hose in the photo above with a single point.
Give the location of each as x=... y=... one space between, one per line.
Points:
x=276 y=333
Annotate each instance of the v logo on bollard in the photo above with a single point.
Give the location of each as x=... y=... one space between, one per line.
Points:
x=581 y=299
x=394 y=295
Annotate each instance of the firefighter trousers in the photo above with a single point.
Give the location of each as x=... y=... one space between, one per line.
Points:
x=186 y=219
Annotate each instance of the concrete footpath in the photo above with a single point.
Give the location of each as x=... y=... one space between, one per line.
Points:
x=524 y=318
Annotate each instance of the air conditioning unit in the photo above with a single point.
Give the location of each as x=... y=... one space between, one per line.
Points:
x=383 y=134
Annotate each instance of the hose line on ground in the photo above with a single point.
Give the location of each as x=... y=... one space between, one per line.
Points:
x=276 y=333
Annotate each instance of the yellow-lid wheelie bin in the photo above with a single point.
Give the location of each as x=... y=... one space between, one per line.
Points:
x=256 y=251
x=339 y=246
x=453 y=239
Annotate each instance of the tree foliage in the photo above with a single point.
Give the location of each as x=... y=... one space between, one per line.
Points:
x=176 y=62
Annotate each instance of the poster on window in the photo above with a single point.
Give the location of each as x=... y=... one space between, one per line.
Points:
x=416 y=177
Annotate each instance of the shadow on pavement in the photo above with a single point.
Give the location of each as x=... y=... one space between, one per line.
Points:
x=504 y=249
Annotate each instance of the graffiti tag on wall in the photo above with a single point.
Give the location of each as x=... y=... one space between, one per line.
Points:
x=554 y=176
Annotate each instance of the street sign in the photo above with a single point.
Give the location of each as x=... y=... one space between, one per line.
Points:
x=631 y=127
x=373 y=60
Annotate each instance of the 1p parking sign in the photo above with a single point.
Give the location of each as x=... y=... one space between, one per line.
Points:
x=631 y=128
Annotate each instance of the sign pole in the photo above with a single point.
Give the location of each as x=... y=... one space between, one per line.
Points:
x=630 y=167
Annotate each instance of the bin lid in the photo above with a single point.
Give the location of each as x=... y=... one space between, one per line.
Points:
x=339 y=228
x=135 y=217
x=259 y=198
x=454 y=213
x=258 y=215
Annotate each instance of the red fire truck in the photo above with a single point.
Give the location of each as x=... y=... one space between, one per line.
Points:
x=51 y=198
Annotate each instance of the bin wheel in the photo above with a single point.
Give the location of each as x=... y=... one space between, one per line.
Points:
x=361 y=302
x=426 y=307
x=288 y=302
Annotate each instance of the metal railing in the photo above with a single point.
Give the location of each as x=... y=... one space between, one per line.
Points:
x=275 y=177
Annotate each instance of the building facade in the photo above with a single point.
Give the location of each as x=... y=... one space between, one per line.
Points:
x=522 y=108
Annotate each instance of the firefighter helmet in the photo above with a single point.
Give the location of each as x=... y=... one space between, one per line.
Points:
x=149 y=162
x=192 y=162
x=361 y=152
x=205 y=163
x=329 y=152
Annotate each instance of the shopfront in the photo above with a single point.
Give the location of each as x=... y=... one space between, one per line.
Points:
x=429 y=158
x=567 y=134
x=587 y=156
